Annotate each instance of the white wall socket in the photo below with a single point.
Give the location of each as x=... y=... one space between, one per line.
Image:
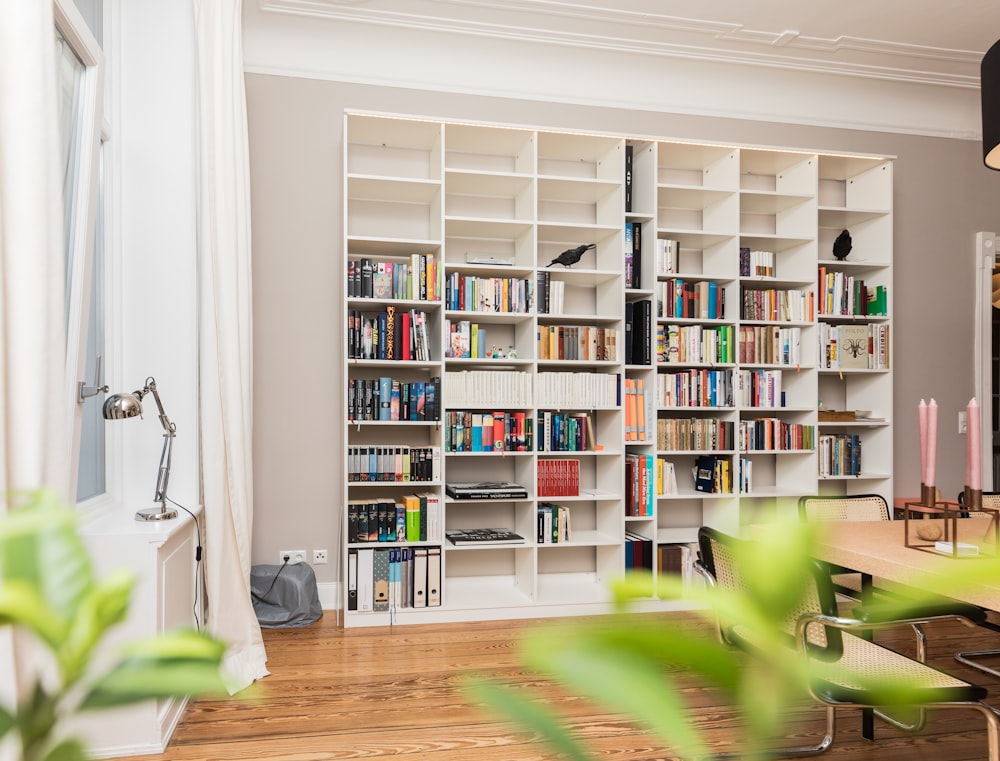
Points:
x=319 y=557
x=293 y=556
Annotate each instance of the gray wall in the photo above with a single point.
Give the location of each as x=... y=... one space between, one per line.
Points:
x=943 y=196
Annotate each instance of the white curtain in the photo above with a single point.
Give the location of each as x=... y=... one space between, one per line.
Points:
x=226 y=367
x=33 y=447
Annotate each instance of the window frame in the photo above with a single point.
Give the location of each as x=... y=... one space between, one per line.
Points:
x=80 y=246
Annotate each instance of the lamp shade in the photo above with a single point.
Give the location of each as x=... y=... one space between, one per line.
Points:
x=989 y=87
x=122 y=406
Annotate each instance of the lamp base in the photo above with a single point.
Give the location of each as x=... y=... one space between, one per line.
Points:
x=155 y=514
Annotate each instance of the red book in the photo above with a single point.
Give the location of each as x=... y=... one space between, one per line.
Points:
x=404 y=336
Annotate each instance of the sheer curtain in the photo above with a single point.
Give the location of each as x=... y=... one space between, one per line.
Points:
x=33 y=447
x=226 y=347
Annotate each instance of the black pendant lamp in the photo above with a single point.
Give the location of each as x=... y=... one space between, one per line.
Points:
x=989 y=86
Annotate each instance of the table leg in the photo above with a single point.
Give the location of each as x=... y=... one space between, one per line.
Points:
x=867 y=714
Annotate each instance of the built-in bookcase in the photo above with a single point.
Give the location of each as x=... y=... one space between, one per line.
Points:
x=687 y=334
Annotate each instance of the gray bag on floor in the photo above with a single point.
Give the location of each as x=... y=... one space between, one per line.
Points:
x=285 y=596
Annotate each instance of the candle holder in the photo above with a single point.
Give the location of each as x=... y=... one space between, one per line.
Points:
x=928 y=495
x=936 y=525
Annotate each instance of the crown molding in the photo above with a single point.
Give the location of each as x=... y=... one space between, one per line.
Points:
x=625 y=31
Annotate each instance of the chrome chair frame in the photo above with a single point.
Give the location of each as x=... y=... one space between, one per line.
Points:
x=821 y=629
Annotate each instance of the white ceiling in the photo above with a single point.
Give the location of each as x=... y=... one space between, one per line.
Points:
x=922 y=41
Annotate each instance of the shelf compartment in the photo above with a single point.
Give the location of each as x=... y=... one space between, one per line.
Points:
x=581 y=156
x=478 y=148
x=393 y=147
x=698 y=165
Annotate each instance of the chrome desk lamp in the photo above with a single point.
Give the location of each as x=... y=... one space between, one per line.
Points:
x=121 y=406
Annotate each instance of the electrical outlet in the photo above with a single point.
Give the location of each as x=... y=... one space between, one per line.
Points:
x=292 y=556
x=319 y=557
x=963 y=424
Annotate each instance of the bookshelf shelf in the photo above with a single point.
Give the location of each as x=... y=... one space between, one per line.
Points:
x=454 y=193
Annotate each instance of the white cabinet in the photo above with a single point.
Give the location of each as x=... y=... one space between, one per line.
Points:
x=162 y=556
x=695 y=298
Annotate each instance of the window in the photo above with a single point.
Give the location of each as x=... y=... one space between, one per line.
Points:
x=80 y=71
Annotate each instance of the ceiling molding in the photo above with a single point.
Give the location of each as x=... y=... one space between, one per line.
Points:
x=631 y=32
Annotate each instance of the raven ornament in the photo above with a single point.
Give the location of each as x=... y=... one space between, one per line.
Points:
x=571 y=255
x=842 y=246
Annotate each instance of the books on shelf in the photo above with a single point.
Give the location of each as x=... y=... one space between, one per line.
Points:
x=577 y=342
x=498 y=431
x=713 y=475
x=391 y=578
x=471 y=293
x=841 y=294
x=666 y=256
x=696 y=344
x=774 y=305
x=694 y=434
x=485 y=490
x=853 y=346
x=558 y=478
x=756 y=263
x=553 y=523
x=412 y=277
x=690 y=299
x=633 y=255
x=483 y=537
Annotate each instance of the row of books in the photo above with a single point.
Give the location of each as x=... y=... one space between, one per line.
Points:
x=773 y=434
x=638 y=332
x=394 y=464
x=410 y=518
x=843 y=294
x=691 y=299
x=840 y=454
x=864 y=347
x=694 y=344
x=694 y=434
x=635 y=409
x=695 y=388
x=467 y=340
x=391 y=578
x=550 y=293
x=638 y=552
x=390 y=399
x=679 y=560
x=577 y=390
x=393 y=334
x=470 y=293
x=413 y=278
x=745 y=484
x=554 y=524
x=640 y=484
x=558 y=478
x=484 y=388
x=577 y=342
x=566 y=432
x=756 y=263
x=776 y=305
x=713 y=475
x=474 y=431
x=667 y=252
x=759 y=388
x=770 y=345
x=633 y=255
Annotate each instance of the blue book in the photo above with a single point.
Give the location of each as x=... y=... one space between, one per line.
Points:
x=385 y=398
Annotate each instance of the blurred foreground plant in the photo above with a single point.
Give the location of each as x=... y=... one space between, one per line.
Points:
x=637 y=665
x=47 y=588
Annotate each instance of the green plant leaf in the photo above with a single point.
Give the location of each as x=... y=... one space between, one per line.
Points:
x=178 y=643
x=7 y=721
x=68 y=750
x=529 y=715
x=21 y=604
x=104 y=606
x=134 y=681
x=39 y=544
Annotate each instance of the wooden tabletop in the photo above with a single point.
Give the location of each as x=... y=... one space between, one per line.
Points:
x=878 y=548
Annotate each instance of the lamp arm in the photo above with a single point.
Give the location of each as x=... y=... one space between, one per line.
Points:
x=170 y=430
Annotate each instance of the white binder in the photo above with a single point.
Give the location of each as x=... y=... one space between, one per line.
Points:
x=420 y=577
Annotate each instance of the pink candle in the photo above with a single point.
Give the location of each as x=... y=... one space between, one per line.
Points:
x=932 y=421
x=973 y=445
x=922 y=421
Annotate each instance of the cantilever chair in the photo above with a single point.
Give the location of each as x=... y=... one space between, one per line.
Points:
x=971 y=657
x=837 y=655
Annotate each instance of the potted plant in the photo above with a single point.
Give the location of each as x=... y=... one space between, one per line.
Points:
x=49 y=592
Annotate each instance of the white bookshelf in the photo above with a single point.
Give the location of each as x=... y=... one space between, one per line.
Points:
x=491 y=201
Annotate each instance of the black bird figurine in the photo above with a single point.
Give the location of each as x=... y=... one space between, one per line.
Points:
x=571 y=255
x=842 y=246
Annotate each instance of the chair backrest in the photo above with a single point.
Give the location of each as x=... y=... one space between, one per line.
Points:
x=855 y=507
x=720 y=556
x=991 y=500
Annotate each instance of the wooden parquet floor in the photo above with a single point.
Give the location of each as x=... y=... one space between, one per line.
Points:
x=370 y=693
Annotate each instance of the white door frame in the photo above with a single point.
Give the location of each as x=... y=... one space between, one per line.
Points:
x=985 y=263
